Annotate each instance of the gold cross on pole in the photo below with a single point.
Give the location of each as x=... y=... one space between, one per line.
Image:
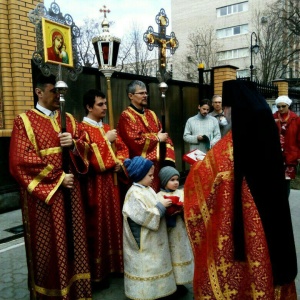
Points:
x=161 y=40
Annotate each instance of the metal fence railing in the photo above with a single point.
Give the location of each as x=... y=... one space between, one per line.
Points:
x=268 y=90
x=294 y=94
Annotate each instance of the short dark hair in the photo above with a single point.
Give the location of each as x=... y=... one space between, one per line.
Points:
x=205 y=102
x=42 y=80
x=89 y=98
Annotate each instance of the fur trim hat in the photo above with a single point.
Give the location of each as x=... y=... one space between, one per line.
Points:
x=165 y=174
x=283 y=99
x=137 y=167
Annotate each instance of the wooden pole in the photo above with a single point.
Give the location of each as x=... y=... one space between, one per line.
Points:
x=107 y=73
x=109 y=102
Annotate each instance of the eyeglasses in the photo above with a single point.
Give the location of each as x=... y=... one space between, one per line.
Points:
x=142 y=93
x=281 y=106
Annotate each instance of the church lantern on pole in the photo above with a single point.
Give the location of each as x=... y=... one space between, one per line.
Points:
x=106 y=46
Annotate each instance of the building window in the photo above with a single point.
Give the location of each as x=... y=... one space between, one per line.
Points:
x=232 y=54
x=231 y=31
x=241 y=73
x=232 y=9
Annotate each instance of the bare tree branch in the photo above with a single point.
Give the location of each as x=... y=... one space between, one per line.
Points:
x=277 y=43
x=202 y=47
x=289 y=12
x=134 y=53
x=88 y=31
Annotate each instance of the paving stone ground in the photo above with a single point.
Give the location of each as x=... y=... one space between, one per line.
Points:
x=13 y=268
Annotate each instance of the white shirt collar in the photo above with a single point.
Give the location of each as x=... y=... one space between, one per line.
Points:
x=44 y=110
x=140 y=185
x=92 y=122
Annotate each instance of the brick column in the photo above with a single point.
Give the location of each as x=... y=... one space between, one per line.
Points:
x=221 y=74
x=283 y=87
x=17 y=43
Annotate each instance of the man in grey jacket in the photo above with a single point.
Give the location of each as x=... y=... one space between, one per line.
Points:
x=202 y=131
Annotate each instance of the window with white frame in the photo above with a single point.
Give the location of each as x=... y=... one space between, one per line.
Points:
x=232 y=9
x=243 y=73
x=234 y=53
x=231 y=31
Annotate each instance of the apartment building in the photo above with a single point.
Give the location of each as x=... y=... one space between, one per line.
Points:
x=233 y=23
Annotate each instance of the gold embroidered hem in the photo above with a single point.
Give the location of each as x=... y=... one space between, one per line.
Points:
x=148 y=267
x=208 y=211
x=36 y=163
x=103 y=205
x=180 y=247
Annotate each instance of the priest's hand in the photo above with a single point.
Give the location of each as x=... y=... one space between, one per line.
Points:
x=68 y=181
x=162 y=136
x=111 y=135
x=65 y=139
x=117 y=167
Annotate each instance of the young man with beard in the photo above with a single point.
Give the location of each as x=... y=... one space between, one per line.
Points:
x=103 y=209
x=202 y=131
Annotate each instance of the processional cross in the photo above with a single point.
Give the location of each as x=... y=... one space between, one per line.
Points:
x=104 y=10
x=161 y=40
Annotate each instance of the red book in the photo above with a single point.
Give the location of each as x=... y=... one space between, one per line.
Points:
x=176 y=207
x=193 y=156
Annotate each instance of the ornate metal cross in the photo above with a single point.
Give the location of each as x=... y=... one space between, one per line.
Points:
x=161 y=40
x=104 y=10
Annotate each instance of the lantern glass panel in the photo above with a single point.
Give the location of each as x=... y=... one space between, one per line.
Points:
x=105 y=51
x=115 y=53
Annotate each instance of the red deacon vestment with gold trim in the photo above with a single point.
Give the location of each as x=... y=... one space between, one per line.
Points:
x=139 y=133
x=36 y=164
x=208 y=209
x=104 y=216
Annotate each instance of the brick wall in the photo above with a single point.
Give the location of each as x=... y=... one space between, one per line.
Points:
x=283 y=87
x=17 y=43
x=223 y=73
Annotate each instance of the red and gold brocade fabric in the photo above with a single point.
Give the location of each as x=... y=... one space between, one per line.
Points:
x=103 y=157
x=139 y=133
x=36 y=164
x=289 y=133
x=36 y=155
x=208 y=210
x=104 y=217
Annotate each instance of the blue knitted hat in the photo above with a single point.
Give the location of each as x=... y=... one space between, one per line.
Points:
x=137 y=167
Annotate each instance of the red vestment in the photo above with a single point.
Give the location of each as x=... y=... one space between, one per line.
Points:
x=52 y=55
x=36 y=164
x=208 y=210
x=139 y=133
x=289 y=132
x=104 y=216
